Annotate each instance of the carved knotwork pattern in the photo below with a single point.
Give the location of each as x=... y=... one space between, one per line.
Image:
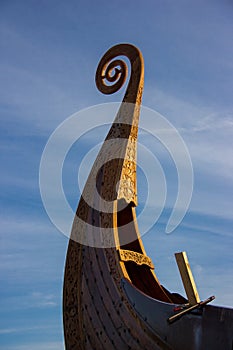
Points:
x=139 y=259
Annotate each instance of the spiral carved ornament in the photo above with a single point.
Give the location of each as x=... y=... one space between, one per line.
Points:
x=111 y=73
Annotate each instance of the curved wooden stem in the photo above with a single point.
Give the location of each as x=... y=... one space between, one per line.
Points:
x=115 y=71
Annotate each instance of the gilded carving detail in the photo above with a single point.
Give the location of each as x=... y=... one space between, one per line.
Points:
x=139 y=259
x=110 y=76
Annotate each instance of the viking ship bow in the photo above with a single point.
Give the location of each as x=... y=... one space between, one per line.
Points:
x=112 y=298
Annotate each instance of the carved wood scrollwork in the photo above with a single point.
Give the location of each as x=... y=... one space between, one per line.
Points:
x=139 y=259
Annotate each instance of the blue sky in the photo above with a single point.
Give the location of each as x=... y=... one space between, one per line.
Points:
x=49 y=53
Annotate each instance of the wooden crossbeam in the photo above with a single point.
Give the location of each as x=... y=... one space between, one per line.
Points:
x=189 y=309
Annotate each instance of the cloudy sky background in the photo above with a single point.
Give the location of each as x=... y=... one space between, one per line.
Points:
x=49 y=53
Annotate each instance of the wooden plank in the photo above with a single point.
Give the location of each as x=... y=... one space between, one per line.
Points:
x=187 y=278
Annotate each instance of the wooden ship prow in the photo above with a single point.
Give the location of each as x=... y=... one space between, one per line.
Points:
x=112 y=298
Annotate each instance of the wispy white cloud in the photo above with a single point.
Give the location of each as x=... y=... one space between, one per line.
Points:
x=208 y=135
x=31 y=251
x=37 y=346
x=24 y=329
x=29 y=301
x=178 y=111
x=215 y=122
x=203 y=238
x=39 y=299
x=36 y=89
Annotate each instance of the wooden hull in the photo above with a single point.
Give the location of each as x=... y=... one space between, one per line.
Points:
x=112 y=299
x=103 y=318
x=97 y=312
x=103 y=310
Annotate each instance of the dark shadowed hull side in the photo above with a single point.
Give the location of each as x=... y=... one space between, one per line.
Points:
x=99 y=316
